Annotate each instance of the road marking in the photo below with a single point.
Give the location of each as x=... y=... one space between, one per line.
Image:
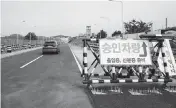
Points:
x=79 y=66
x=31 y=62
x=104 y=91
x=172 y=91
x=144 y=92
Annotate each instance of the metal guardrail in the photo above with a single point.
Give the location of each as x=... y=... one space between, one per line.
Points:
x=13 y=48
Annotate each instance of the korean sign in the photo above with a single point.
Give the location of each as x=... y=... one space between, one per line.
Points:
x=124 y=52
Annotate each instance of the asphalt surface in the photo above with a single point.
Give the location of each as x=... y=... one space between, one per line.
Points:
x=53 y=81
x=155 y=96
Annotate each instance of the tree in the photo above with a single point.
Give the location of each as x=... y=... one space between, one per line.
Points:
x=168 y=29
x=33 y=36
x=116 y=33
x=135 y=26
x=171 y=28
x=14 y=36
x=101 y=34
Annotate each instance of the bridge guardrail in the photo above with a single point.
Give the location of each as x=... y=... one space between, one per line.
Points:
x=12 y=48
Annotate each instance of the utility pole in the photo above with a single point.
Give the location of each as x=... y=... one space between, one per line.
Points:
x=30 y=37
x=37 y=40
x=123 y=31
x=100 y=33
x=17 y=39
x=106 y=18
x=43 y=39
x=166 y=23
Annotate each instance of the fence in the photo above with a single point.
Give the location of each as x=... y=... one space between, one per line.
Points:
x=8 y=43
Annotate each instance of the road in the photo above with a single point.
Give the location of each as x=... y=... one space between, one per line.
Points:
x=122 y=98
x=33 y=80
x=51 y=81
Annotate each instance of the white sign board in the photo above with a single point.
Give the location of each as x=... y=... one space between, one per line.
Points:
x=170 y=59
x=124 y=52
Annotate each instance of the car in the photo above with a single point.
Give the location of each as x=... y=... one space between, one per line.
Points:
x=51 y=47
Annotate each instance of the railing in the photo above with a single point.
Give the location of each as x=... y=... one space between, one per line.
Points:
x=13 y=48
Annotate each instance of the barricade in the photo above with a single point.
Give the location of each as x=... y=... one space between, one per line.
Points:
x=2 y=50
x=114 y=70
x=9 y=49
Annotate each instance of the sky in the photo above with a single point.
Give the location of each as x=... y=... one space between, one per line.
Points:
x=70 y=18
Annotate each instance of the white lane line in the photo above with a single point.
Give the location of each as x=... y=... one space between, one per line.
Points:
x=31 y=62
x=79 y=66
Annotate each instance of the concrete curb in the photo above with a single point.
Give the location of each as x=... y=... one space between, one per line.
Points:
x=77 y=60
x=18 y=52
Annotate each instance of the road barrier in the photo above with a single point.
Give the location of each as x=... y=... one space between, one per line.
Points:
x=115 y=54
x=125 y=81
x=9 y=49
x=2 y=50
x=18 y=52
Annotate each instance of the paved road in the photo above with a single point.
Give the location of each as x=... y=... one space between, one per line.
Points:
x=51 y=81
x=31 y=80
x=124 y=98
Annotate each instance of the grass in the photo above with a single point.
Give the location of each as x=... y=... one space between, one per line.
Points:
x=77 y=42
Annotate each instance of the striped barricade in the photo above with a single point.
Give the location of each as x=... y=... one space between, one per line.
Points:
x=114 y=75
x=14 y=47
x=18 y=47
x=29 y=46
x=9 y=49
x=2 y=50
x=24 y=46
x=124 y=81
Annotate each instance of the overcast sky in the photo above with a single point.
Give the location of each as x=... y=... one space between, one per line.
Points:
x=70 y=18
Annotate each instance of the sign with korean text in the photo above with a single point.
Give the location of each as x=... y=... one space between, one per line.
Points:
x=124 y=52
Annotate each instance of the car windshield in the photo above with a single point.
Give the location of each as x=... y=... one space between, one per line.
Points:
x=50 y=44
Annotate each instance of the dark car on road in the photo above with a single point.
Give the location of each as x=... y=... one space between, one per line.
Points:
x=51 y=47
